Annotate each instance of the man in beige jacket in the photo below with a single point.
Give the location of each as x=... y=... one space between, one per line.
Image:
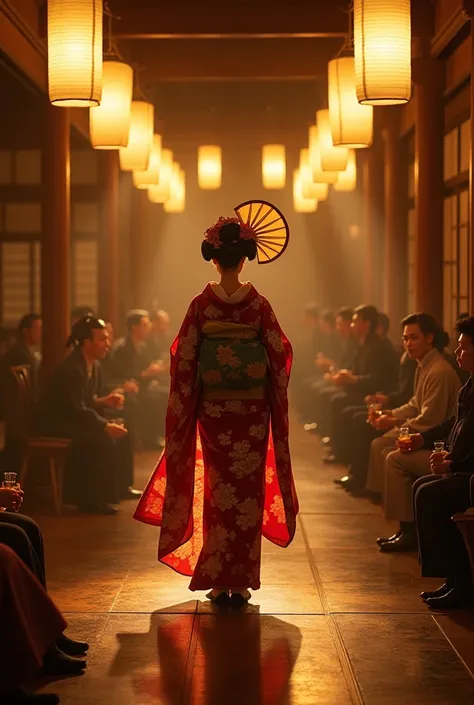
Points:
x=392 y=473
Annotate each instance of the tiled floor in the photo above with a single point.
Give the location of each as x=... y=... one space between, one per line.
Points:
x=336 y=622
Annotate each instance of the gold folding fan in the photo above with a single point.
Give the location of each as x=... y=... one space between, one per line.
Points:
x=270 y=227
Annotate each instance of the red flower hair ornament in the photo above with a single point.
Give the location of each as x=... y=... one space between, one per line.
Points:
x=212 y=233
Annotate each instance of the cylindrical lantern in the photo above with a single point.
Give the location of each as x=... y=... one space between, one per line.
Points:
x=382 y=50
x=347 y=179
x=300 y=203
x=332 y=158
x=319 y=175
x=310 y=188
x=209 y=167
x=151 y=175
x=75 y=52
x=177 y=200
x=273 y=166
x=160 y=192
x=136 y=155
x=352 y=124
x=110 y=121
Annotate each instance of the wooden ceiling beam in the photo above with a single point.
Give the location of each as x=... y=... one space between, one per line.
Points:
x=211 y=19
x=240 y=59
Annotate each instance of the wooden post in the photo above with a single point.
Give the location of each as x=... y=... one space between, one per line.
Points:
x=372 y=219
x=396 y=190
x=139 y=254
x=55 y=253
x=429 y=185
x=110 y=243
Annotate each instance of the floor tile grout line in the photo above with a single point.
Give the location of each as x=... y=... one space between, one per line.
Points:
x=119 y=591
x=433 y=617
x=353 y=687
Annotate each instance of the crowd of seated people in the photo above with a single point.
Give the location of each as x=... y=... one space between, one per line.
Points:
x=407 y=444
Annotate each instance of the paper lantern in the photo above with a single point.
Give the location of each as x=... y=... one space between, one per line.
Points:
x=177 y=201
x=209 y=167
x=300 y=203
x=151 y=175
x=160 y=192
x=136 y=155
x=319 y=175
x=310 y=188
x=110 y=121
x=332 y=158
x=273 y=166
x=352 y=124
x=75 y=52
x=347 y=179
x=382 y=50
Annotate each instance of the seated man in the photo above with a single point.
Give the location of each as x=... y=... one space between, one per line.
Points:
x=434 y=400
x=159 y=342
x=100 y=465
x=17 y=424
x=360 y=434
x=131 y=361
x=373 y=371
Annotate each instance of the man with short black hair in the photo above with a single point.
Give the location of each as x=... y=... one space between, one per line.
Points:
x=100 y=467
x=446 y=491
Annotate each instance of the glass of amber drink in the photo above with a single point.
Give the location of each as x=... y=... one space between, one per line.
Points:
x=404 y=437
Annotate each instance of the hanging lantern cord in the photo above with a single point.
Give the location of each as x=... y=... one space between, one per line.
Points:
x=112 y=48
x=348 y=46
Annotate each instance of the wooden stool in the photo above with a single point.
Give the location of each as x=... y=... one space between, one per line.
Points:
x=55 y=450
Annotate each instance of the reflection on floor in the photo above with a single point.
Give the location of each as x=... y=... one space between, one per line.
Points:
x=336 y=622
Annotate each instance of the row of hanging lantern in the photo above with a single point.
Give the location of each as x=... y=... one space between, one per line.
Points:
x=377 y=71
x=210 y=166
x=78 y=76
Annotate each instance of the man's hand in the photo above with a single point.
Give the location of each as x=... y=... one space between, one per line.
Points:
x=131 y=387
x=115 y=400
x=115 y=431
x=343 y=378
x=11 y=498
x=153 y=370
x=438 y=463
x=385 y=422
x=376 y=399
x=414 y=443
x=324 y=363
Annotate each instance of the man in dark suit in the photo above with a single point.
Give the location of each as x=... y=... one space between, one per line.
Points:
x=100 y=466
x=18 y=423
x=130 y=360
x=373 y=371
x=447 y=491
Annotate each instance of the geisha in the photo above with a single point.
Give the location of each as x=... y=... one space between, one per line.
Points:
x=225 y=476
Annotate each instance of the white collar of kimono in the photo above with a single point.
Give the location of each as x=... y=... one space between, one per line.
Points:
x=235 y=297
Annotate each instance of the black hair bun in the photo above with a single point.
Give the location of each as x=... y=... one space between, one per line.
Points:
x=251 y=249
x=229 y=234
x=208 y=251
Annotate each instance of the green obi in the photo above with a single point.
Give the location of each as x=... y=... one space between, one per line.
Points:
x=232 y=356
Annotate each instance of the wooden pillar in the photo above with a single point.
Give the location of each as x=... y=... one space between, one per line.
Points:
x=110 y=242
x=372 y=222
x=139 y=255
x=429 y=186
x=55 y=253
x=396 y=193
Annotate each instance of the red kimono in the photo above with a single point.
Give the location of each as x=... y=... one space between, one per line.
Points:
x=225 y=476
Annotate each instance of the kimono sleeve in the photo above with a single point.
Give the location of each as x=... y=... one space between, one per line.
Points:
x=279 y=351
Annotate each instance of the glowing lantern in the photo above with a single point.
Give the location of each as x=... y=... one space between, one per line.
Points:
x=177 y=200
x=273 y=166
x=300 y=203
x=382 y=49
x=75 y=52
x=347 y=179
x=209 y=167
x=352 y=124
x=319 y=175
x=110 y=121
x=310 y=188
x=151 y=175
x=332 y=158
x=136 y=155
x=160 y=192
